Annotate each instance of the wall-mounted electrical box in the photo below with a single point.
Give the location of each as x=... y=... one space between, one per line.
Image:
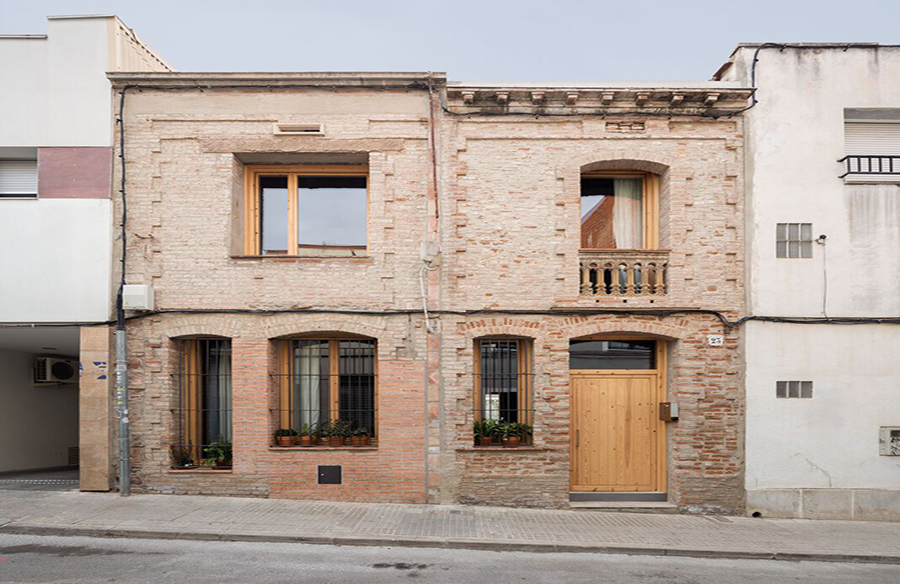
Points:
x=668 y=411
x=137 y=297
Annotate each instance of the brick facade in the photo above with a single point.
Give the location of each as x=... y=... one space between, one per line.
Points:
x=506 y=212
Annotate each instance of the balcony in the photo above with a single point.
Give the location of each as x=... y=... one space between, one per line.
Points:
x=623 y=273
x=871 y=166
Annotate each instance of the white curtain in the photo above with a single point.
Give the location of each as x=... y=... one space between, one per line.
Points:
x=628 y=222
x=308 y=381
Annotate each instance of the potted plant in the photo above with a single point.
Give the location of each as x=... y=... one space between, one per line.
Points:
x=339 y=432
x=484 y=431
x=307 y=435
x=360 y=437
x=182 y=457
x=513 y=433
x=218 y=454
x=285 y=436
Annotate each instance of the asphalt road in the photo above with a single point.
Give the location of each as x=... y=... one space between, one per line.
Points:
x=136 y=561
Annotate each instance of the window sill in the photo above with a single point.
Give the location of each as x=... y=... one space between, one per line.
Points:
x=321 y=448
x=200 y=471
x=501 y=449
x=299 y=258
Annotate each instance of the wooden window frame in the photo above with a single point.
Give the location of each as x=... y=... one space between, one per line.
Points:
x=190 y=412
x=525 y=381
x=252 y=227
x=650 y=194
x=286 y=377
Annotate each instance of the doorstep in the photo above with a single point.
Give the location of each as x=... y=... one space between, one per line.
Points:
x=625 y=506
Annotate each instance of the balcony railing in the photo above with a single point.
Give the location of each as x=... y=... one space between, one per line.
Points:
x=624 y=272
x=871 y=165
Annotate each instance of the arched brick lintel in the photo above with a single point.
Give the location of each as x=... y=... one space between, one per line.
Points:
x=501 y=326
x=331 y=324
x=625 y=161
x=671 y=329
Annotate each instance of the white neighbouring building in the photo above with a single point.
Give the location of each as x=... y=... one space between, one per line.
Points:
x=823 y=400
x=56 y=233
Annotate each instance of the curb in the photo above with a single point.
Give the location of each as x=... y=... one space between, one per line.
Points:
x=441 y=543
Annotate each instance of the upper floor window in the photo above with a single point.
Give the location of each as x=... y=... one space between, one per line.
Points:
x=18 y=179
x=307 y=210
x=793 y=240
x=619 y=210
x=871 y=145
x=204 y=403
x=327 y=386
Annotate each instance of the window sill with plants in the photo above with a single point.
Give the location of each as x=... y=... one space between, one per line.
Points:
x=498 y=434
x=337 y=434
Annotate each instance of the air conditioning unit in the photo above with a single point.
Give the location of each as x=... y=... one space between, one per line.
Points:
x=55 y=370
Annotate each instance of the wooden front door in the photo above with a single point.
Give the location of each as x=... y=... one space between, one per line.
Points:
x=617 y=437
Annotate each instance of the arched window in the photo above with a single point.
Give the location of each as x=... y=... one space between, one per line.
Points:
x=503 y=387
x=204 y=402
x=619 y=210
x=328 y=381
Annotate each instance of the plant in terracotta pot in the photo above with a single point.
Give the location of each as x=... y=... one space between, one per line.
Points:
x=218 y=454
x=307 y=435
x=285 y=436
x=333 y=432
x=340 y=431
x=514 y=433
x=484 y=431
x=182 y=457
x=360 y=437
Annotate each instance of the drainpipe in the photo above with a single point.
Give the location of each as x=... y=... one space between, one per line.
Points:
x=121 y=357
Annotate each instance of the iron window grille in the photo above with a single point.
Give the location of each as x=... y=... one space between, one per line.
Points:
x=504 y=385
x=203 y=415
x=793 y=240
x=323 y=383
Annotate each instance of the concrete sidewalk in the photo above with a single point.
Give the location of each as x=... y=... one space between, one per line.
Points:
x=484 y=528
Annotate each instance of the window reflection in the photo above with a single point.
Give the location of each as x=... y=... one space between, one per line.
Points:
x=612 y=354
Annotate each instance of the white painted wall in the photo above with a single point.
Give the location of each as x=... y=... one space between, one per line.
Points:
x=55 y=91
x=37 y=424
x=831 y=440
x=55 y=260
x=794 y=138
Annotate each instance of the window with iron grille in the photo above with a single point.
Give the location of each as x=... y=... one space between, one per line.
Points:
x=794 y=389
x=503 y=386
x=793 y=240
x=327 y=383
x=204 y=401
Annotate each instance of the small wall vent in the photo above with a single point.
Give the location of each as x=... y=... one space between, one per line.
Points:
x=300 y=129
x=74 y=456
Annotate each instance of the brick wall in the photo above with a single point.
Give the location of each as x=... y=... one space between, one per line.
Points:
x=509 y=228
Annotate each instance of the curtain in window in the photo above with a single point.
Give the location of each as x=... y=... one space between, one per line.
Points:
x=310 y=376
x=628 y=224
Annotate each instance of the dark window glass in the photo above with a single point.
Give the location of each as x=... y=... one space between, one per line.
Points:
x=356 y=394
x=332 y=211
x=612 y=355
x=273 y=210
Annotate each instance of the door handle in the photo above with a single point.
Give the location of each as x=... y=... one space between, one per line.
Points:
x=577 y=438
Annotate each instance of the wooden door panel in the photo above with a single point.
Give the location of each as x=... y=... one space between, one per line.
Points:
x=615 y=433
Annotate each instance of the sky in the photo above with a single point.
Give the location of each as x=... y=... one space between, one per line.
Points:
x=515 y=40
